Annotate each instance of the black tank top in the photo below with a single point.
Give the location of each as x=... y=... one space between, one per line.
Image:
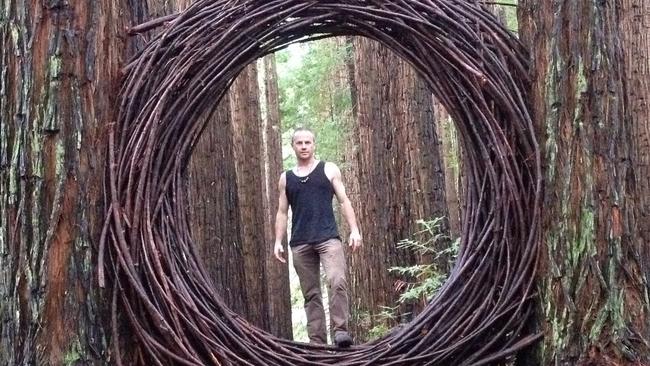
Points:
x=310 y=198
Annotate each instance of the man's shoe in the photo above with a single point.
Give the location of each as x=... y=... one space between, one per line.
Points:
x=342 y=339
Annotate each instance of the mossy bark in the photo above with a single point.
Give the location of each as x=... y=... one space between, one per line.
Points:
x=593 y=282
x=59 y=67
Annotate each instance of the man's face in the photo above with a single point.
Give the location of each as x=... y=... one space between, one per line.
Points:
x=303 y=145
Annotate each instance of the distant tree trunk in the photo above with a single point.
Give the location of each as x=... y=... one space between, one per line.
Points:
x=227 y=201
x=399 y=171
x=350 y=161
x=246 y=120
x=594 y=294
x=452 y=160
x=635 y=29
x=59 y=68
x=338 y=87
x=215 y=221
x=352 y=143
x=278 y=285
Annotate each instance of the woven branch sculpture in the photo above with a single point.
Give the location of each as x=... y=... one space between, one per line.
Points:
x=475 y=67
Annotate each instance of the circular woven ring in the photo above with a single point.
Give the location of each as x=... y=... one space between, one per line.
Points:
x=476 y=68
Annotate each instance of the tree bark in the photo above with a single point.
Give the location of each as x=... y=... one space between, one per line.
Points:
x=226 y=201
x=246 y=121
x=452 y=160
x=635 y=29
x=593 y=288
x=278 y=285
x=400 y=176
x=215 y=221
x=59 y=72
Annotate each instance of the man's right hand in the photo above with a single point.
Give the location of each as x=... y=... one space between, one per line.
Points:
x=278 y=250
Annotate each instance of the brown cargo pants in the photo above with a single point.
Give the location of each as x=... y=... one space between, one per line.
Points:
x=306 y=260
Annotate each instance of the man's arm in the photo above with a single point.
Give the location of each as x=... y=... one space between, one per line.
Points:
x=281 y=219
x=346 y=206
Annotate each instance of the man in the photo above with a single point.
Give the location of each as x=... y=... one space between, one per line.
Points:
x=308 y=189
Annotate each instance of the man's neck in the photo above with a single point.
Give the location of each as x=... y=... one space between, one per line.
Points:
x=306 y=163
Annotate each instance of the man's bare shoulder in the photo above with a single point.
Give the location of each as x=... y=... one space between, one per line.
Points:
x=331 y=165
x=332 y=170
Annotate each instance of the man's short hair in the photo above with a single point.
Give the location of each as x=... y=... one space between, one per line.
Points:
x=302 y=129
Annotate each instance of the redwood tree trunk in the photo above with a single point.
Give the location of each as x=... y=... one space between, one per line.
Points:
x=215 y=221
x=635 y=29
x=594 y=294
x=400 y=175
x=59 y=71
x=228 y=202
x=278 y=285
x=246 y=121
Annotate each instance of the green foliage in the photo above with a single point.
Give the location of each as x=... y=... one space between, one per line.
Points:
x=314 y=93
x=380 y=323
x=423 y=280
